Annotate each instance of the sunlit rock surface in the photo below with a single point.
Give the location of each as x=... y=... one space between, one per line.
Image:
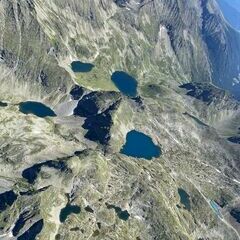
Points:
x=64 y=176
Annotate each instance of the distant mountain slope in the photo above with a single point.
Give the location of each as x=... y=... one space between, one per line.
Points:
x=67 y=176
x=231 y=12
x=223 y=47
x=234 y=3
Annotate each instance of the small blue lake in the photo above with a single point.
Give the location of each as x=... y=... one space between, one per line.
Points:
x=68 y=210
x=78 y=66
x=123 y=215
x=125 y=83
x=36 y=108
x=184 y=199
x=140 y=145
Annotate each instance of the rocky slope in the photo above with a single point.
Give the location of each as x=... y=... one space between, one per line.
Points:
x=63 y=177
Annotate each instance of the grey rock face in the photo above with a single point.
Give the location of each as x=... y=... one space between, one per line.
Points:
x=72 y=161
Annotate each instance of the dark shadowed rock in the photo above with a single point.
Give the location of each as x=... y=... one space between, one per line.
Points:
x=32 y=232
x=30 y=174
x=77 y=92
x=7 y=199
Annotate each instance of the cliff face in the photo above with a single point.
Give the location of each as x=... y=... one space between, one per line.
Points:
x=223 y=46
x=64 y=177
x=187 y=41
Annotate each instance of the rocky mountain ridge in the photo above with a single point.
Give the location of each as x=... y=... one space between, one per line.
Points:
x=64 y=176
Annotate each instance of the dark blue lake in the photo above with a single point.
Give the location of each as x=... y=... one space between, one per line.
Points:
x=78 y=66
x=140 y=145
x=125 y=83
x=36 y=108
x=68 y=210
